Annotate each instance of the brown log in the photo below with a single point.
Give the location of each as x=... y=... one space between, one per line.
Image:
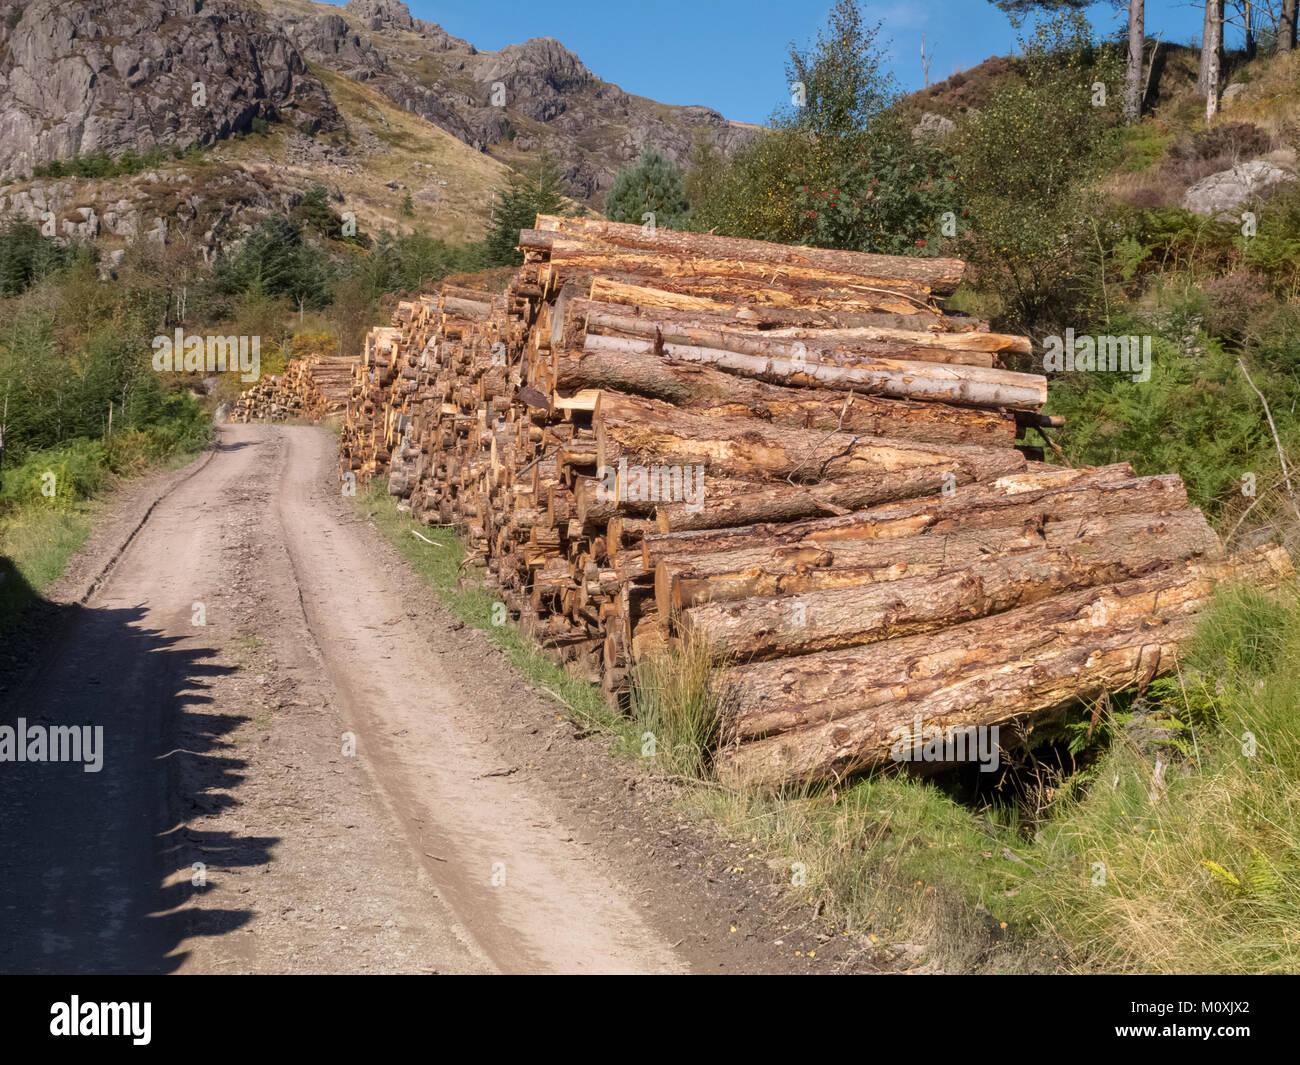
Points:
x=716 y=393
x=802 y=568
x=842 y=347
x=775 y=627
x=839 y=712
x=940 y=275
x=746 y=448
x=630 y=291
x=1054 y=495
x=969 y=386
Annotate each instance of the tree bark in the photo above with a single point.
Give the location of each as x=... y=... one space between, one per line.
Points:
x=741 y=279
x=1133 y=70
x=713 y=392
x=1214 y=49
x=939 y=275
x=827 y=715
x=796 y=569
x=776 y=627
x=822 y=344
x=1004 y=503
x=1286 y=33
x=661 y=435
x=627 y=290
x=970 y=386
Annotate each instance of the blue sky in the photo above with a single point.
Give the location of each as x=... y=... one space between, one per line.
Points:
x=730 y=54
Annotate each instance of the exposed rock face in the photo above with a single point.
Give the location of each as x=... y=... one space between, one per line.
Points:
x=932 y=126
x=527 y=98
x=327 y=39
x=211 y=210
x=1222 y=194
x=105 y=75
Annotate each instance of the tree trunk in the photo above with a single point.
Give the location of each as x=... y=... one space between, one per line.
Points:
x=827 y=715
x=797 y=569
x=970 y=386
x=658 y=434
x=714 y=331
x=1001 y=504
x=1286 y=32
x=776 y=627
x=713 y=392
x=941 y=276
x=1133 y=71
x=1214 y=47
x=628 y=290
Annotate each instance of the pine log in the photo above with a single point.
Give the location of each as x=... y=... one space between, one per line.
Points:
x=940 y=275
x=970 y=386
x=747 y=448
x=716 y=393
x=641 y=297
x=1007 y=502
x=774 y=627
x=840 y=712
x=841 y=347
x=798 y=569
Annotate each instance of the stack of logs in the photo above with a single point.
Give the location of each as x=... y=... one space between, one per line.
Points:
x=313 y=388
x=794 y=458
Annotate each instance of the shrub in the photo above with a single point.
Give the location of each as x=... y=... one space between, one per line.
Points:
x=651 y=184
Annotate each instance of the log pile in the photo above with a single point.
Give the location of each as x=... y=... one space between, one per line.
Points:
x=312 y=387
x=794 y=457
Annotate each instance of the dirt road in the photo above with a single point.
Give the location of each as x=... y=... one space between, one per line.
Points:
x=308 y=768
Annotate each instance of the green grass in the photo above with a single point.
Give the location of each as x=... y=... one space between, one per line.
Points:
x=36 y=542
x=40 y=533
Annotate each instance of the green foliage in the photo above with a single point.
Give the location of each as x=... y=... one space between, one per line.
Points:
x=275 y=260
x=103 y=165
x=408 y=206
x=26 y=257
x=844 y=75
x=1196 y=416
x=315 y=212
x=405 y=263
x=535 y=191
x=840 y=171
x=650 y=184
x=1018 y=9
x=1026 y=164
x=880 y=193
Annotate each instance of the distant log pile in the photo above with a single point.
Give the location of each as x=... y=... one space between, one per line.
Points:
x=312 y=388
x=793 y=456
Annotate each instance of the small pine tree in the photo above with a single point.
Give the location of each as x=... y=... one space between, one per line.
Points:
x=650 y=185
x=408 y=206
x=534 y=192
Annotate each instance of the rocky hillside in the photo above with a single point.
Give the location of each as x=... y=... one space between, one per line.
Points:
x=108 y=75
x=525 y=98
x=275 y=95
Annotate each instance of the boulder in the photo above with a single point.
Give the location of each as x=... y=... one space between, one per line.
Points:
x=1223 y=194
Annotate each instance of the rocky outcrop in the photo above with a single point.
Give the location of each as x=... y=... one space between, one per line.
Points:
x=210 y=208
x=105 y=76
x=1224 y=193
x=515 y=103
x=328 y=39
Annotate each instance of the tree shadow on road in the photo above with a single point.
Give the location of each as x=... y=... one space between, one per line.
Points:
x=98 y=869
